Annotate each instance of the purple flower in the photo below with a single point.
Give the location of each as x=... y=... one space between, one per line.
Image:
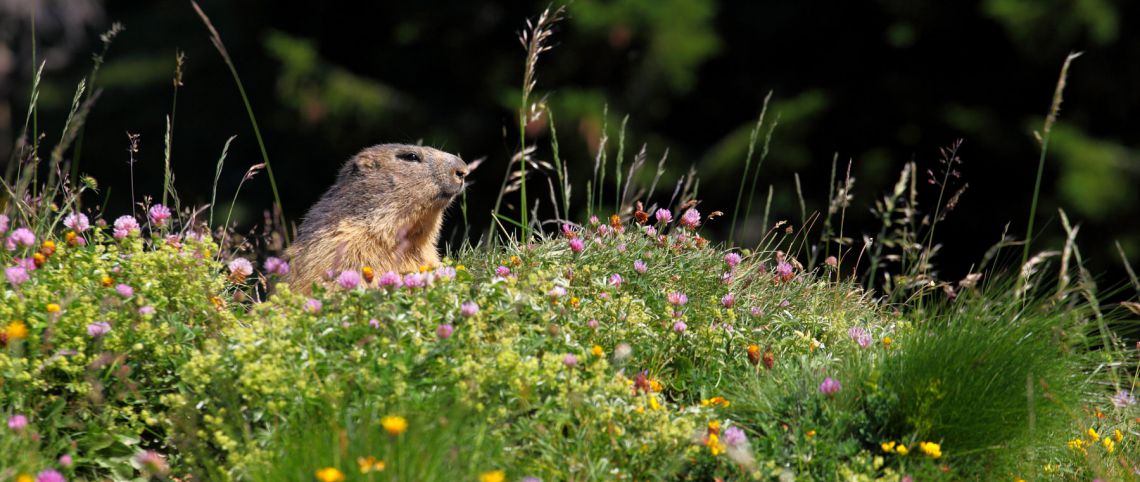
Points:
x=50 y=475
x=622 y=248
x=502 y=271
x=732 y=259
x=531 y=479
x=576 y=245
x=593 y=220
x=593 y=324
x=240 y=268
x=784 y=270
x=785 y=303
x=3 y=224
x=640 y=266
x=158 y=214
x=726 y=277
x=829 y=386
x=664 y=216
x=604 y=229
x=17 y=423
x=28 y=263
x=124 y=226
x=124 y=290
x=22 y=237
x=65 y=460
x=374 y=323
x=98 y=329
x=348 y=279
x=444 y=331
x=77 y=222
x=677 y=298
x=277 y=266
x=650 y=231
x=390 y=280
x=734 y=437
x=414 y=280
x=567 y=230
x=691 y=219
x=152 y=462
x=860 y=336
x=756 y=311
x=907 y=478
x=1123 y=398
x=469 y=309
x=728 y=300
x=446 y=273
x=16 y=275
x=557 y=292
x=570 y=360
x=313 y=306
x=146 y=310
x=679 y=326
x=615 y=280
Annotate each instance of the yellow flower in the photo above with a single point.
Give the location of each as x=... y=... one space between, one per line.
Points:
x=597 y=351
x=930 y=448
x=887 y=341
x=493 y=476
x=888 y=446
x=394 y=424
x=1019 y=479
x=1093 y=435
x=460 y=267
x=574 y=301
x=902 y=450
x=515 y=260
x=1118 y=435
x=17 y=330
x=24 y=478
x=715 y=447
x=654 y=385
x=715 y=401
x=424 y=268
x=330 y=474
x=368 y=274
x=1076 y=445
x=653 y=403
x=106 y=281
x=370 y=464
x=53 y=308
x=1109 y=445
x=810 y=433
x=714 y=426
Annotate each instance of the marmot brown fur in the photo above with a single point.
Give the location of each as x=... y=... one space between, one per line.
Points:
x=384 y=212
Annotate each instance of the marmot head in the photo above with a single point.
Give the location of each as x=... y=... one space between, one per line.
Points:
x=412 y=176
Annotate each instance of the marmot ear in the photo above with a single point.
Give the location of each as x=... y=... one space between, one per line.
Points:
x=361 y=163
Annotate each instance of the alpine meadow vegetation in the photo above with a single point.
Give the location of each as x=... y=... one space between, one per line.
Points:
x=161 y=345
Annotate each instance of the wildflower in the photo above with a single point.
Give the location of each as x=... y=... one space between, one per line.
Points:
x=370 y=464
x=650 y=231
x=50 y=475
x=615 y=280
x=106 y=281
x=640 y=266
x=146 y=310
x=17 y=423
x=931 y=449
x=313 y=306
x=888 y=446
x=469 y=309
x=593 y=324
x=622 y=352
x=717 y=401
x=831 y=261
x=240 y=268
x=902 y=450
x=691 y=219
x=1109 y=445
x=785 y=303
x=329 y=474
x=1118 y=435
x=756 y=312
x=22 y=237
x=47 y=248
x=36 y=261
x=53 y=308
x=784 y=271
x=394 y=424
x=557 y=292
x=754 y=354
x=732 y=259
x=1123 y=398
x=3 y=223
x=907 y=478
x=414 y=280
x=65 y=460
x=1092 y=434
x=158 y=214
x=446 y=273
x=603 y=230
x=769 y=359
x=348 y=279
x=568 y=231
x=1076 y=445
x=124 y=290
x=493 y=476
x=277 y=266
x=125 y=226
x=728 y=300
x=622 y=248
x=664 y=216
x=152 y=463
x=677 y=298
x=860 y=336
x=374 y=323
x=16 y=330
x=444 y=331
x=714 y=444
x=98 y=329
x=531 y=479
x=570 y=360
x=887 y=341
x=829 y=386
x=502 y=271
x=597 y=351
x=734 y=437
x=577 y=245
x=16 y=275
x=389 y=280
x=679 y=327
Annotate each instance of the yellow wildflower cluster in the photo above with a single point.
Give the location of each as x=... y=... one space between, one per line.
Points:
x=493 y=476
x=370 y=464
x=715 y=402
x=931 y=449
x=16 y=330
x=892 y=447
x=330 y=474
x=394 y=424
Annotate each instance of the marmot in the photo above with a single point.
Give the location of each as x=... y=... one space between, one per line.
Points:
x=384 y=212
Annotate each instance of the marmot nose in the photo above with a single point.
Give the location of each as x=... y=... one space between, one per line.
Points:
x=461 y=172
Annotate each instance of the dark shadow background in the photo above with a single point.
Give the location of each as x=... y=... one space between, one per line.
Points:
x=879 y=83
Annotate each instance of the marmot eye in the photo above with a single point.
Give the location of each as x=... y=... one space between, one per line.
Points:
x=408 y=156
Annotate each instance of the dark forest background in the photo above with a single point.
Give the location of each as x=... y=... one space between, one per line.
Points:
x=879 y=83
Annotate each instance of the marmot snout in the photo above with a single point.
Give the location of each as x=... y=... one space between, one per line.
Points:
x=384 y=212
